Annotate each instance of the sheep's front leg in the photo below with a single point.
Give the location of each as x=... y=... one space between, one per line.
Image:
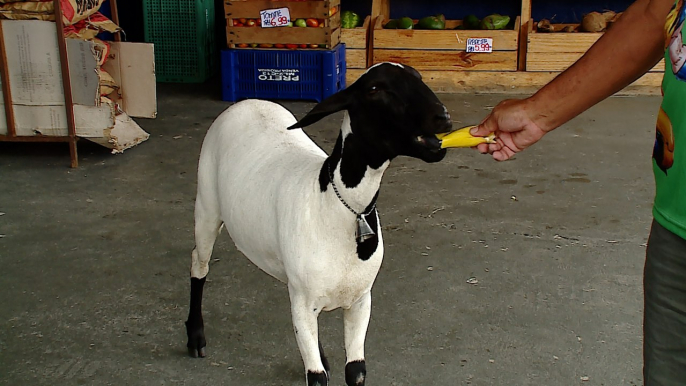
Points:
x=356 y=321
x=306 y=333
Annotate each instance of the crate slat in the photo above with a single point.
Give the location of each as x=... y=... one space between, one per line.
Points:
x=356 y=58
x=562 y=41
x=451 y=60
x=238 y=35
x=519 y=82
x=559 y=61
x=515 y=82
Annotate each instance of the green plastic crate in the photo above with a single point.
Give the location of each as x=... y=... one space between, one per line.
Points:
x=183 y=32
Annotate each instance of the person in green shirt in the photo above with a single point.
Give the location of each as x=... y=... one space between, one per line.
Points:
x=648 y=31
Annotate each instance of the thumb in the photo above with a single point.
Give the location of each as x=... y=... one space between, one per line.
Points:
x=485 y=128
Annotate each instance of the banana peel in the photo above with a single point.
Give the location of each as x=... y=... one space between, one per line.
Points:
x=463 y=138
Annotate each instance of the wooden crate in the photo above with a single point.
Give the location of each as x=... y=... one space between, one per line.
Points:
x=328 y=10
x=356 y=47
x=509 y=82
x=556 y=51
x=445 y=50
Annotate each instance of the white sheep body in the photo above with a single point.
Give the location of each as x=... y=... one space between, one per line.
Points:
x=274 y=209
x=299 y=215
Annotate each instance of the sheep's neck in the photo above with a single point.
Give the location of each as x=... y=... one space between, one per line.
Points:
x=356 y=172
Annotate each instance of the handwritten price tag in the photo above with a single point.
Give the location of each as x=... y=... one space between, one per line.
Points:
x=480 y=45
x=279 y=17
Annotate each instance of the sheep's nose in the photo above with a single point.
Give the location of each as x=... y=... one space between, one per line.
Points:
x=443 y=118
x=444 y=115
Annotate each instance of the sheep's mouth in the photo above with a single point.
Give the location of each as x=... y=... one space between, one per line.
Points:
x=429 y=142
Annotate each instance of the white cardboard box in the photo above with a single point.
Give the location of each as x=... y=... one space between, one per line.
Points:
x=38 y=97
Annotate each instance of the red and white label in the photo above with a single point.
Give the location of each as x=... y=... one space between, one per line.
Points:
x=479 y=45
x=279 y=17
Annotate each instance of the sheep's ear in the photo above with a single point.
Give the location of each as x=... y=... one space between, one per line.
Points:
x=335 y=103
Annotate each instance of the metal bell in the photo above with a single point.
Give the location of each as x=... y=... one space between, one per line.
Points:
x=364 y=231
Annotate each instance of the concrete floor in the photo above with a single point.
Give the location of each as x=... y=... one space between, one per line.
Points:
x=95 y=262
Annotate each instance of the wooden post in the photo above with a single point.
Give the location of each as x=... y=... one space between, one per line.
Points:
x=115 y=18
x=527 y=25
x=66 y=84
x=381 y=8
x=6 y=91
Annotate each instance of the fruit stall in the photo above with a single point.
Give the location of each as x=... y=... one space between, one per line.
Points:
x=493 y=46
x=520 y=57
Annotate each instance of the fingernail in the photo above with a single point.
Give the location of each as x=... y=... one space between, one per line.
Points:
x=473 y=130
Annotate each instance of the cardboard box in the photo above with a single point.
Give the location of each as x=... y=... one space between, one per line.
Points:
x=38 y=102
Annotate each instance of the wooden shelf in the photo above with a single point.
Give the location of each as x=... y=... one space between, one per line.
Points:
x=521 y=63
x=71 y=137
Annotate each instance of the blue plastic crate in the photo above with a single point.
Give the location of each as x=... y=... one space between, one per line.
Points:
x=280 y=74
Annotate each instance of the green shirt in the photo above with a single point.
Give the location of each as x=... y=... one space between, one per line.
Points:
x=669 y=153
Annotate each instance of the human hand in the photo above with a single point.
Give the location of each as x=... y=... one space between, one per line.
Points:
x=515 y=130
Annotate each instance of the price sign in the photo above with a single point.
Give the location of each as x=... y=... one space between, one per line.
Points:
x=479 y=45
x=279 y=17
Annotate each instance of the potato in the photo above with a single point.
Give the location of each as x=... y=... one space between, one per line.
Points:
x=609 y=15
x=593 y=22
x=545 y=26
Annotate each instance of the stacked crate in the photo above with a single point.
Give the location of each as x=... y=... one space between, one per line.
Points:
x=183 y=32
x=284 y=62
x=326 y=35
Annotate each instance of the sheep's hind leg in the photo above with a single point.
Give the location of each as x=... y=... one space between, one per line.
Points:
x=206 y=232
x=306 y=334
x=356 y=321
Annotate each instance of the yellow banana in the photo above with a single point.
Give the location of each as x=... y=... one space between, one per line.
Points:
x=462 y=138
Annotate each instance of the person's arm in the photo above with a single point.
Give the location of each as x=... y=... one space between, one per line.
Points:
x=633 y=45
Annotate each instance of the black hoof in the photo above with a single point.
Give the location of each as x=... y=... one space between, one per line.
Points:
x=355 y=373
x=317 y=379
x=195 y=353
x=196 y=340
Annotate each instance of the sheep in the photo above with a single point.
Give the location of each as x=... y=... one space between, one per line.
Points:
x=305 y=218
